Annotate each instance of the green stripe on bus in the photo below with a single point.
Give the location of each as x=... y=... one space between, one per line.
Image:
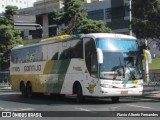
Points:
x=57 y=75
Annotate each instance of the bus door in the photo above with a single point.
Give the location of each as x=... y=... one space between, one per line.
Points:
x=91 y=74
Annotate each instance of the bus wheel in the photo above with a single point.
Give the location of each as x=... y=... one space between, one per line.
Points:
x=23 y=89
x=79 y=93
x=29 y=90
x=115 y=99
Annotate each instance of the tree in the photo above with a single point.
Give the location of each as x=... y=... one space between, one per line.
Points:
x=9 y=37
x=74 y=15
x=146 y=18
x=91 y=26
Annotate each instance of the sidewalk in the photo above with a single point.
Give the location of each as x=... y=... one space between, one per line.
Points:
x=5 y=88
x=151 y=91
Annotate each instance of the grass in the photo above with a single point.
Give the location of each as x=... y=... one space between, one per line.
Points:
x=155 y=64
x=28 y=42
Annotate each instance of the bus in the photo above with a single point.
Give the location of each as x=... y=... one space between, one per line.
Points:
x=86 y=65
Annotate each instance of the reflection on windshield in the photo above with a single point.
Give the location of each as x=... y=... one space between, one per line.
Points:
x=117 y=44
x=121 y=65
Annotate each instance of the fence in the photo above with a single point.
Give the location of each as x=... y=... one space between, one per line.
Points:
x=154 y=79
x=4 y=79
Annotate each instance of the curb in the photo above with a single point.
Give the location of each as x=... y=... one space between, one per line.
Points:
x=148 y=97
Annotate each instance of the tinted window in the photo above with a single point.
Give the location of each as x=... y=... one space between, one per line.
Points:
x=90 y=53
x=65 y=50
x=77 y=49
x=32 y=54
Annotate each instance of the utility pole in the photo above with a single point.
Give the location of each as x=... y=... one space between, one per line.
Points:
x=130 y=17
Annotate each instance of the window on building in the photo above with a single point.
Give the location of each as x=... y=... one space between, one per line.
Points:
x=50 y=19
x=118 y=12
x=96 y=14
x=39 y=20
x=36 y=33
x=108 y=13
x=52 y=31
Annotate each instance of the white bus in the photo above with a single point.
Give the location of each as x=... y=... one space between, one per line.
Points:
x=95 y=65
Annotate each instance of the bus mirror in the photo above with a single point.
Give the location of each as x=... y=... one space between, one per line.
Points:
x=99 y=56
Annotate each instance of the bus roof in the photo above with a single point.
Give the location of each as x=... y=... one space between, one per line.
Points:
x=92 y=35
x=108 y=35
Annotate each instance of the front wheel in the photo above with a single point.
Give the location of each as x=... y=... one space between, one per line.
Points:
x=115 y=99
x=79 y=92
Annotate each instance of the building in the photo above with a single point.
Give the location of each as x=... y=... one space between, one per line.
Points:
x=111 y=11
x=19 y=3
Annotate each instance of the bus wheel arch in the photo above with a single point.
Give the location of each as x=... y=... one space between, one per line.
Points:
x=77 y=89
x=22 y=88
x=29 y=89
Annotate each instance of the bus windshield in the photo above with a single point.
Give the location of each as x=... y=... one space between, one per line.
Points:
x=121 y=60
x=117 y=44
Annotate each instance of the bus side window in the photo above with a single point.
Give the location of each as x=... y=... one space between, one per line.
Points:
x=90 y=54
x=94 y=67
x=77 y=48
x=65 y=50
x=52 y=51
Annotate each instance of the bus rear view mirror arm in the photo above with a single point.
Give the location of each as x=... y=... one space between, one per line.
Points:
x=100 y=56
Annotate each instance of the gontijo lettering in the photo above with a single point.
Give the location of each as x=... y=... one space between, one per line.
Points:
x=32 y=68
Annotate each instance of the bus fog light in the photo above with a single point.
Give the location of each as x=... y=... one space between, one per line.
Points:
x=106 y=86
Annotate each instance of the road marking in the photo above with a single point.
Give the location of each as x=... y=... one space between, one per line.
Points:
x=139 y=106
x=1 y=108
x=19 y=109
x=115 y=107
x=82 y=109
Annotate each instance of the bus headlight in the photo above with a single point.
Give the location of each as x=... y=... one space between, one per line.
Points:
x=106 y=86
x=139 y=85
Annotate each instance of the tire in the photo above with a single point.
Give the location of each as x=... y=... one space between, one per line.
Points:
x=80 y=97
x=115 y=99
x=23 y=89
x=29 y=90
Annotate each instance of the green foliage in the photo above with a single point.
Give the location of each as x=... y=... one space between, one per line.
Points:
x=72 y=8
x=10 y=11
x=58 y=17
x=9 y=37
x=155 y=64
x=74 y=17
x=146 y=18
x=91 y=26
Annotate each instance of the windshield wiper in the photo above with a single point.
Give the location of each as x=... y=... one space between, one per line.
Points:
x=121 y=66
x=130 y=71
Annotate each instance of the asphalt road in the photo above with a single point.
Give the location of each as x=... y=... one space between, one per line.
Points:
x=13 y=101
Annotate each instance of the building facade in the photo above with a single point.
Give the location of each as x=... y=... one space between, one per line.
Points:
x=19 y=3
x=113 y=12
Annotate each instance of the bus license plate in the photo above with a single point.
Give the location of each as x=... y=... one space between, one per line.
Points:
x=124 y=92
